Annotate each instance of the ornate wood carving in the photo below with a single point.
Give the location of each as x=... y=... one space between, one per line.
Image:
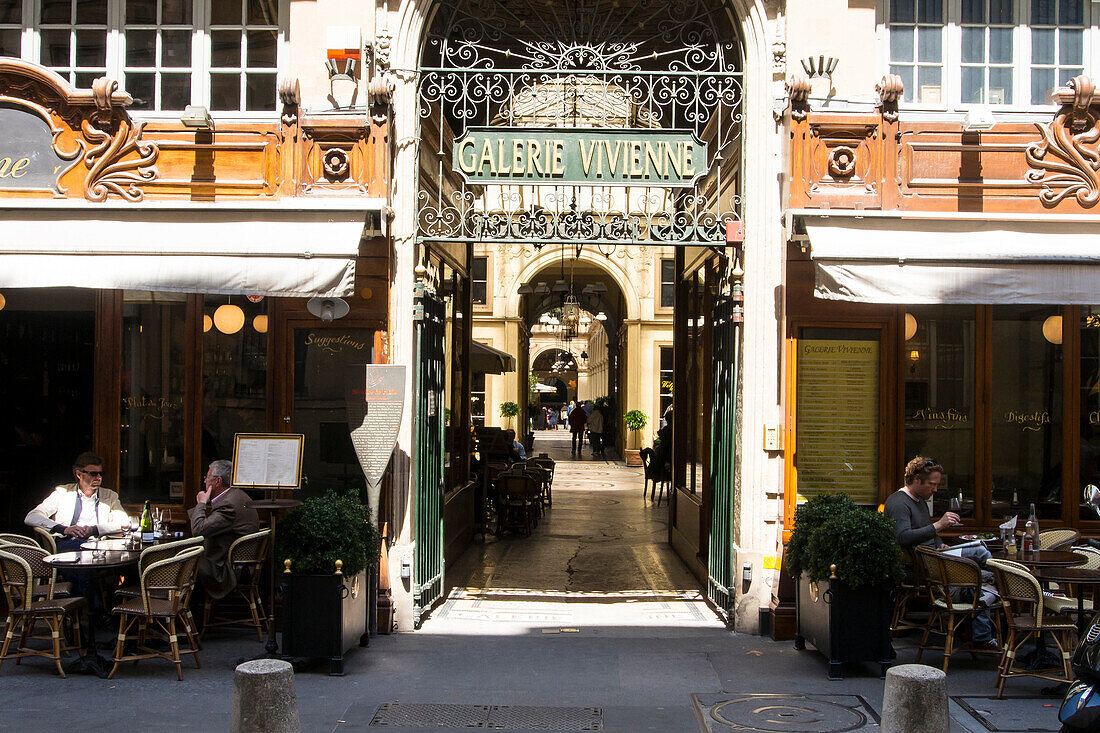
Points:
x=890 y=91
x=290 y=94
x=88 y=125
x=1067 y=161
x=798 y=90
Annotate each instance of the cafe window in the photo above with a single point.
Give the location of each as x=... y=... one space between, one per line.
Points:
x=166 y=53
x=234 y=372
x=479 y=279
x=477 y=398
x=1089 y=462
x=1027 y=411
x=151 y=422
x=938 y=363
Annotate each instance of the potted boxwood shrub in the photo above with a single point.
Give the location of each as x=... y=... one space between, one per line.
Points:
x=846 y=561
x=635 y=420
x=329 y=542
x=509 y=410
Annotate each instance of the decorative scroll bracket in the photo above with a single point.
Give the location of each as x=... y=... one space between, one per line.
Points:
x=798 y=91
x=890 y=91
x=111 y=167
x=1067 y=161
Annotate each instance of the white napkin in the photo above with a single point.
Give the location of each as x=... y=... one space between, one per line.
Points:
x=1009 y=525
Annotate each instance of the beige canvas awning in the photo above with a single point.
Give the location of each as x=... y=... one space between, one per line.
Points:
x=893 y=260
x=276 y=249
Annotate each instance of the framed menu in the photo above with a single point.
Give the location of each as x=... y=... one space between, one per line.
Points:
x=267 y=460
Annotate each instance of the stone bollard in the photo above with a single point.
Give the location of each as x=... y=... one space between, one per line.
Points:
x=264 y=700
x=915 y=700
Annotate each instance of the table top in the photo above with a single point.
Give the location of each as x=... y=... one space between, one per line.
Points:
x=272 y=504
x=1069 y=575
x=1044 y=558
x=89 y=559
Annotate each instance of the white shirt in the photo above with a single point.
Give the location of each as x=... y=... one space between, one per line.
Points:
x=87 y=511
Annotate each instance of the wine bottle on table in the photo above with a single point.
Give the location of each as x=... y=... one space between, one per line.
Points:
x=1033 y=521
x=146 y=524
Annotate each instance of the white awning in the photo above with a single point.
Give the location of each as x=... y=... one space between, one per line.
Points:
x=260 y=250
x=891 y=260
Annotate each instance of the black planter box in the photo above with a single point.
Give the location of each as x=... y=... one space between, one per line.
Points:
x=845 y=624
x=324 y=616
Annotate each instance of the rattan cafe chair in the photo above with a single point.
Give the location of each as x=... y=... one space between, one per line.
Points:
x=1027 y=619
x=165 y=587
x=155 y=553
x=518 y=494
x=247 y=556
x=17 y=574
x=944 y=574
x=1058 y=539
x=912 y=588
x=9 y=538
x=46 y=584
x=1061 y=604
x=45 y=540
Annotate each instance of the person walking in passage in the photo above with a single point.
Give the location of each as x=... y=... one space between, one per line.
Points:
x=578 y=419
x=595 y=431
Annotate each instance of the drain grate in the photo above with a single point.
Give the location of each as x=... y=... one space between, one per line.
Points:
x=778 y=713
x=1011 y=714
x=493 y=717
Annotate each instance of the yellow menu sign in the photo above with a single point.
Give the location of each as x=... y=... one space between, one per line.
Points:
x=837 y=418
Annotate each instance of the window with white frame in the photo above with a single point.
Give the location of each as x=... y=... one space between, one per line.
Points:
x=1011 y=53
x=167 y=54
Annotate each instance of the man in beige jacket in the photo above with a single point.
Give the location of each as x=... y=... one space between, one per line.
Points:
x=221 y=515
x=79 y=510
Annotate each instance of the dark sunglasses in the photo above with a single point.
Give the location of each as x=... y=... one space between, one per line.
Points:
x=90 y=473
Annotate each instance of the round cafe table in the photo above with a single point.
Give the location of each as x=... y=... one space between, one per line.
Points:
x=1077 y=577
x=94 y=561
x=1043 y=558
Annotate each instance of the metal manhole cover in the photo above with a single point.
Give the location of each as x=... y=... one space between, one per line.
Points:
x=493 y=717
x=773 y=713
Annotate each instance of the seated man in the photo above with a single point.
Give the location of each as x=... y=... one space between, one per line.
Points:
x=80 y=510
x=221 y=514
x=913 y=525
x=516 y=451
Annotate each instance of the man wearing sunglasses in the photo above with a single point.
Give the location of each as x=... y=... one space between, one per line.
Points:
x=79 y=510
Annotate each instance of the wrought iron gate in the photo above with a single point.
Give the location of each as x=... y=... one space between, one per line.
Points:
x=580 y=65
x=428 y=316
x=726 y=332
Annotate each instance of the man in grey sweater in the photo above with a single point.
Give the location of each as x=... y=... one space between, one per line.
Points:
x=913 y=525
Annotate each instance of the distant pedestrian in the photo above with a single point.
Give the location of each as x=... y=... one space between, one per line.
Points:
x=595 y=431
x=565 y=416
x=578 y=419
x=552 y=418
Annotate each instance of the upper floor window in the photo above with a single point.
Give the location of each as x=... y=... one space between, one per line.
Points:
x=668 y=283
x=997 y=52
x=479 y=280
x=167 y=54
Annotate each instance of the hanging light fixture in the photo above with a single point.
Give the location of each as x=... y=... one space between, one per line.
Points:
x=260 y=324
x=328 y=309
x=229 y=318
x=910 y=326
x=3 y=301
x=1052 y=329
x=207 y=323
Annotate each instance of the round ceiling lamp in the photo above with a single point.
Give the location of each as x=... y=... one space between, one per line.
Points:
x=3 y=301
x=1052 y=329
x=910 y=326
x=328 y=309
x=260 y=324
x=229 y=318
x=207 y=323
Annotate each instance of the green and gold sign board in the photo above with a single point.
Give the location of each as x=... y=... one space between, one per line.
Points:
x=586 y=156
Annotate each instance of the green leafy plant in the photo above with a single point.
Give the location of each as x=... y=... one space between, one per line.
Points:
x=509 y=410
x=635 y=420
x=327 y=528
x=861 y=544
x=807 y=518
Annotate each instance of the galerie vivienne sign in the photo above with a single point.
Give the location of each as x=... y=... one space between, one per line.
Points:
x=590 y=156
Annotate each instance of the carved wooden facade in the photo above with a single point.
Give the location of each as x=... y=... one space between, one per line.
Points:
x=110 y=156
x=856 y=160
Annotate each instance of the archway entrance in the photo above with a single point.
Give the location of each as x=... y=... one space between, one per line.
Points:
x=579 y=129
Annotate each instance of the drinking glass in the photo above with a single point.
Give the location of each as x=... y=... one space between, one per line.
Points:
x=956 y=505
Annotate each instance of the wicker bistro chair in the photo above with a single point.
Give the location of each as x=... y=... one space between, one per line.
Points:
x=154 y=554
x=165 y=587
x=1061 y=604
x=1027 y=618
x=542 y=480
x=247 y=555
x=1057 y=539
x=17 y=574
x=910 y=589
x=547 y=465
x=46 y=584
x=945 y=574
x=518 y=494
x=45 y=540
x=655 y=475
x=8 y=538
